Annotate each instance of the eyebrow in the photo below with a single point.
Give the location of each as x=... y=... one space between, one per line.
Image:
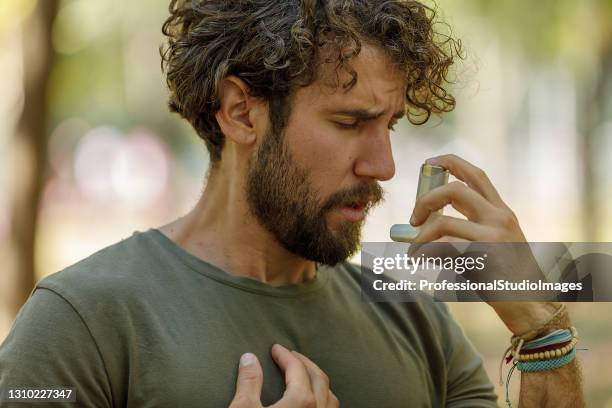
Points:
x=365 y=115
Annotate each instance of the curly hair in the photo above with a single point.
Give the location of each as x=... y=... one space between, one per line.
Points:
x=276 y=46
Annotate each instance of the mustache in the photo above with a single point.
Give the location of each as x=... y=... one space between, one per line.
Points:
x=369 y=194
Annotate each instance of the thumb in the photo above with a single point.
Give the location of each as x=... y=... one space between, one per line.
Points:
x=250 y=379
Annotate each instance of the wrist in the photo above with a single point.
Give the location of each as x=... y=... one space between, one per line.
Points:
x=532 y=319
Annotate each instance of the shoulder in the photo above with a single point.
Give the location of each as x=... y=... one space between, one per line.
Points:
x=111 y=271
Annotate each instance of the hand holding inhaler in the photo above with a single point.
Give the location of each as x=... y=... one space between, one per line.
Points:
x=430 y=177
x=488 y=220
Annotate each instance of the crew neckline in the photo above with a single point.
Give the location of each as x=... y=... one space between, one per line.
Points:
x=239 y=282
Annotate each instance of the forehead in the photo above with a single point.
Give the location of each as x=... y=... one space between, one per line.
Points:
x=380 y=85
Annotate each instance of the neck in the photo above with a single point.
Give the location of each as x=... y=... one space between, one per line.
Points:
x=222 y=231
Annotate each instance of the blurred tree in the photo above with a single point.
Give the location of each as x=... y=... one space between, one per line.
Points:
x=31 y=144
x=579 y=34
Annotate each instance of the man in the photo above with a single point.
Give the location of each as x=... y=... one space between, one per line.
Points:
x=295 y=101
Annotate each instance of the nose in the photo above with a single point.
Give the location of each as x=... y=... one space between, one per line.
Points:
x=376 y=158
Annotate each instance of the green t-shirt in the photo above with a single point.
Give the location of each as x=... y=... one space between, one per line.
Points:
x=143 y=323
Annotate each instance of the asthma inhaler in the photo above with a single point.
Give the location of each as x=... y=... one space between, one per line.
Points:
x=430 y=177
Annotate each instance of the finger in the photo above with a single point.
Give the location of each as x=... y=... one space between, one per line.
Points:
x=332 y=400
x=453 y=227
x=298 y=391
x=318 y=379
x=465 y=200
x=473 y=176
x=250 y=380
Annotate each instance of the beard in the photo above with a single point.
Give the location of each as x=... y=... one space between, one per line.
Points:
x=281 y=197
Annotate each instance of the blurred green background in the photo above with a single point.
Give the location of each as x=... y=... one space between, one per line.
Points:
x=89 y=152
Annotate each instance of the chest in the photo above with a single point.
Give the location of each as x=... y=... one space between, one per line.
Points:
x=195 y=361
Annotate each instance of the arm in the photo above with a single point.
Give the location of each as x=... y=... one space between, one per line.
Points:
x=467 y=381
x=558 y=388
x=49 y=345
x=555 y=388
x=489 y=219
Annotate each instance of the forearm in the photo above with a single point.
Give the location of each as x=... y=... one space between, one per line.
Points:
x=561 y=387
x=556 y=388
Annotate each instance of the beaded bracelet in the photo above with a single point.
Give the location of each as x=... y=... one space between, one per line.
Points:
x=544 y=365
x=517 y=341
x=563 y=352
x=563 y=339
x=548 y=354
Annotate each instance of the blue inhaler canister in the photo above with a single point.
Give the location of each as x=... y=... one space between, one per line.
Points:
x=430 y=177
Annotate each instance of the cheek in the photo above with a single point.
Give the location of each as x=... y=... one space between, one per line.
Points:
x=326 y=154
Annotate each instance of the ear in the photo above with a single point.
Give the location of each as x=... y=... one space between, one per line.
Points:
x=239 y=114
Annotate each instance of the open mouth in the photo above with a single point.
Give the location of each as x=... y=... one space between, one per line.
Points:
x=357 y=205
x=354 y=211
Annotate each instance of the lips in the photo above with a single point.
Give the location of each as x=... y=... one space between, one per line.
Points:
x=359 y=204
x=354 y=212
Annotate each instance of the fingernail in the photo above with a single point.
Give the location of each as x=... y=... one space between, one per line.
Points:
x=432 y=160
x=247 y=359
x=412 y=218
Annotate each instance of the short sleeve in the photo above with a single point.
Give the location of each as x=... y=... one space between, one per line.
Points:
x=468 y=383
x=50 y=345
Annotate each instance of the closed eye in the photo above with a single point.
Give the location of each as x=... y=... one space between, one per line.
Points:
x=355 y=125
x=344 y=125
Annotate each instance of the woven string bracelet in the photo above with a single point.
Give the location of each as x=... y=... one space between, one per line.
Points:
x=562 y=343
x=559 y=337
x=553 y=345
x=544 y=365
x=518 y=341
x=536 y=366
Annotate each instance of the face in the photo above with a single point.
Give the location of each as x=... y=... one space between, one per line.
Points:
x=313 y=185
